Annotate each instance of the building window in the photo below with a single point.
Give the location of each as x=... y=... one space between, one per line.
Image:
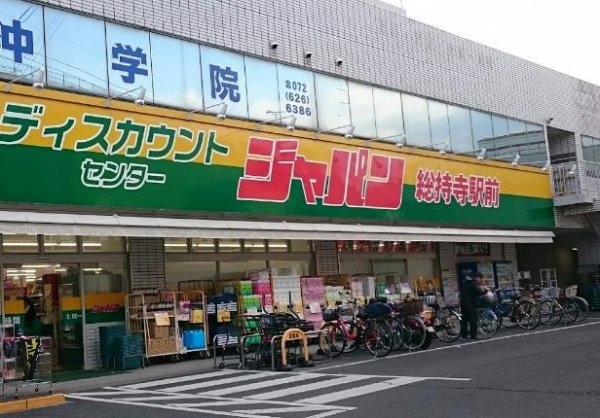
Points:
x=203 y=245
x=176 y=245
x=230 y=246
x=461 y=136
x=191 y=275
x=60 y=244
x=19 y=244
x=591 y=148
x=416 y=121
x=97 y=244
x=235 y=270
x=254 y=246
x=300 y=246
x=290 y=267
x=278 y=246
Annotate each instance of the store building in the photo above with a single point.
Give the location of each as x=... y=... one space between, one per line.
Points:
x=178 y=141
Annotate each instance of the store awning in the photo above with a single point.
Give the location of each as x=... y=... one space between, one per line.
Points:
x=137 y=226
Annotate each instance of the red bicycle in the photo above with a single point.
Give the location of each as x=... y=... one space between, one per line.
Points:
x=340 y=336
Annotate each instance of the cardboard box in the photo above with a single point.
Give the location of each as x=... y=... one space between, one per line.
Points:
x=159 y=331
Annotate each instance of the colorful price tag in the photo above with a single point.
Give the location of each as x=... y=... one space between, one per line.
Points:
x=162 y=319
x=197 y=316
x=223 y=316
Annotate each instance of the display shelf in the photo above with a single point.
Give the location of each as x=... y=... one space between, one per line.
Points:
x=193 y=325
x=158 y=328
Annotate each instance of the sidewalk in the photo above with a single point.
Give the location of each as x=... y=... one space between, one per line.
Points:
x=153 y=372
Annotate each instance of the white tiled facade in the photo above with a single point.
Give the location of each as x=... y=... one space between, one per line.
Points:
x=377 y=43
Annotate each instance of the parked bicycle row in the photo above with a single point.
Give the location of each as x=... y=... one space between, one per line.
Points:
x=398 y=330
x=380 y=328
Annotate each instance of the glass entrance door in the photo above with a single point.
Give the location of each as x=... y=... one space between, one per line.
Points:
x=44 y=299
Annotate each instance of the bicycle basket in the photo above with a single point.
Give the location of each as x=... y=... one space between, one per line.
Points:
x=330 y=314
x=571 y=291
x=412 y=307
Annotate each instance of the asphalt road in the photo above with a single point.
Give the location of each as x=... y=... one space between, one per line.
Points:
x=551 y=372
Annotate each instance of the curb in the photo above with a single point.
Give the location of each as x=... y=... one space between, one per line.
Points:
x=32 y=403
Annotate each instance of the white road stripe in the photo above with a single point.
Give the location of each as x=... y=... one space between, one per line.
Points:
x=173 y=407
x=361 y=390
x=455 y=346
x=304 y=408
x=262 y=384
x=194 y=386
x=199 y=376
x=307 y=388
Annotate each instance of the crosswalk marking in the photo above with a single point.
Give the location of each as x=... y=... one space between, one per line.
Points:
x=210 y=383
x=308 y=387
x=252 y=394
x=262 y=384
x=361 y=390
x=163 y=382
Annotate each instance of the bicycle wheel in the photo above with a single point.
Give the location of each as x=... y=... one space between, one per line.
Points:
x=527 y=315
x=446 y=325
x=488 y=323
x=331 y=340
x=378 y=338
x=398 y=333
x=584 y=307
x=571 y=311
x=507 y=315
x=414 y=331
x=550 y=312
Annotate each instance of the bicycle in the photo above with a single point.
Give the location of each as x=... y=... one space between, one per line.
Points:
x=338 y=336
x=444 y=322
x=410 y=331
x=515 y=311
x=488 y=323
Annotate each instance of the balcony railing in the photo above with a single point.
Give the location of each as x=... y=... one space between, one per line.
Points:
x=576 y=182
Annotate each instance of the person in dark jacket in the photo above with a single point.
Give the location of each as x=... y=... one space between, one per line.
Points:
x=469 y=294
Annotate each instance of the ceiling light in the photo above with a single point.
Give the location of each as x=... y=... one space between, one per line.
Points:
x=38 y=81
x=515 y=162
x=546 y=166
x=348 y=134
x=221 y=113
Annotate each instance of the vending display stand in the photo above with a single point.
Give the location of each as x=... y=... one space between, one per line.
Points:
x=153 y=316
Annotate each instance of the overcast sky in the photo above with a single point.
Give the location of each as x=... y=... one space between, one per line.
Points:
x=562 y=35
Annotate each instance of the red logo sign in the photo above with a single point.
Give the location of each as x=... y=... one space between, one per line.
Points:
x=351 y=178
x=109 y=307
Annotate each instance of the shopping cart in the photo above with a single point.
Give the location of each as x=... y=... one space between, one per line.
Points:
x=27 y=362
x=237 y=338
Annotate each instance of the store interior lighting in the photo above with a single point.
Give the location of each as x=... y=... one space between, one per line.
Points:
x=139 y=100
x=19 y=244
x=38 y=81
x=221 y=114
